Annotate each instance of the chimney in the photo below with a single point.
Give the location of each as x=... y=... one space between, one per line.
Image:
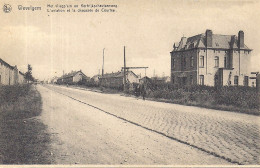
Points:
x=240 y=39
x=208 y=38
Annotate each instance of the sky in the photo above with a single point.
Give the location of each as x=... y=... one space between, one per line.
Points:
x=57 y=42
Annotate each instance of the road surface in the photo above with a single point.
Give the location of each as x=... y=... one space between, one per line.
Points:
x=98 y=128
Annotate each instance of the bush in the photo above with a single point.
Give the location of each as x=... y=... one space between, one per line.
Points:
x=240 y=98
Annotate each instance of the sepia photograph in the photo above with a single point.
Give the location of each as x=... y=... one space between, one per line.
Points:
x=138 y=83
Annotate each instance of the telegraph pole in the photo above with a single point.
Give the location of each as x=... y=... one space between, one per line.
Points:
x=124 y=71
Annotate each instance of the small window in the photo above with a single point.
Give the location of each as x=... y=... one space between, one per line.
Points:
x=236 y=80
x=218 y=51
x=246 y=81
x=201 y=61
x=201 y=79
x=216 y=61
x=192 y=61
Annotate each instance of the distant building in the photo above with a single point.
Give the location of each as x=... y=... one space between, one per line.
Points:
x=95 y=79
x=117 y=79
x=145 y=80
x=211 y=59
x=73 y=78
x=54 y=80
x=9 y=75
x=21 y=78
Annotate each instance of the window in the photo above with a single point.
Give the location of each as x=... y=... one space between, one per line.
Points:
x=216 y=61
x=173 y=63
x=201 y=79
x=225 y=62
x=201 y=61
x=192 y=61
x=236 y=80
x=246 y=81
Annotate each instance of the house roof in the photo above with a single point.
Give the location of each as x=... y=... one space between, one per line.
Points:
x=21 y=73
x=73 y=73
x=118 y=74
x=199 y=41
x=6 y=64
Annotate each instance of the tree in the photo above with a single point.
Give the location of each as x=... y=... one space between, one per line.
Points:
x=28 y=74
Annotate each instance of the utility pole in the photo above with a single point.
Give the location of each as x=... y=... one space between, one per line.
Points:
x=124 y=71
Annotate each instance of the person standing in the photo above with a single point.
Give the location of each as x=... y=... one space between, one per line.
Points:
x=143 y=91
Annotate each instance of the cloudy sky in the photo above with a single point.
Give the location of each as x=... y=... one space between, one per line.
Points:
x=53 y=42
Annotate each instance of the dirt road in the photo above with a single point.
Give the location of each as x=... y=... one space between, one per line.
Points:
x=85 y=135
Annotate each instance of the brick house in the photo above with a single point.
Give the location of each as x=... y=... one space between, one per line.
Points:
x=211 y=59
x=10 y=75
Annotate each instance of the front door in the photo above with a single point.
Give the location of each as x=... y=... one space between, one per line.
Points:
x=218 y=78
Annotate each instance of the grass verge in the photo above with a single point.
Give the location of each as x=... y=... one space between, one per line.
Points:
x=24 y=139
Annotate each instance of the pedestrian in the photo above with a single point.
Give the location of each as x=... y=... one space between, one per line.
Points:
x=143 y=91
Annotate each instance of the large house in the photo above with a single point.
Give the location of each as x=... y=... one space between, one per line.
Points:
x=117 y=79
x=73 y=78
x=10 y=75
x=211 y=59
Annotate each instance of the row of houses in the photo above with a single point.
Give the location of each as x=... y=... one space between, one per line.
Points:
x=10 y=75
x=211 y=59
x=114 y=79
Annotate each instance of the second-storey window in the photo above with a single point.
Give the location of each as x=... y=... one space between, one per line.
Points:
x=192 y=61
x=201 y=61
x=225 y=62
x=184 y=62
